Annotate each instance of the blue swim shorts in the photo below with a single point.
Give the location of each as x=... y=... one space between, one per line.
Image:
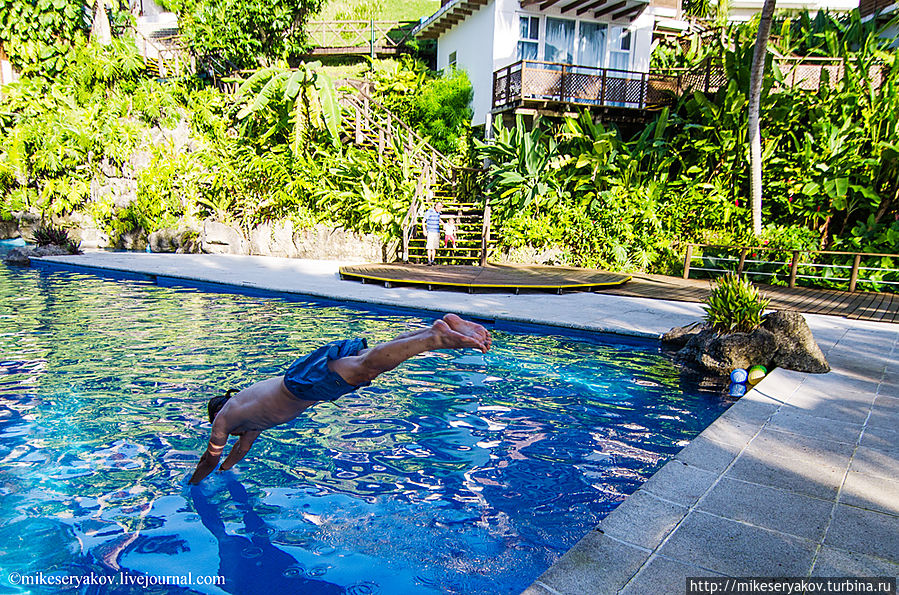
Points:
x=309 y=378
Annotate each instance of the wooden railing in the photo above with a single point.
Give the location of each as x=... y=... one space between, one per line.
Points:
x=588 y=85
x=375 y=123
x=168 y=54
x=374 y=36
x=840 y=270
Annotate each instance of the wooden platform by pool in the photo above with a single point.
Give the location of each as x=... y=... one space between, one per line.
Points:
x=859 y=305
x=493 y=277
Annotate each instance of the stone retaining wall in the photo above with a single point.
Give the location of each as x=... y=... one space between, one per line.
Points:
x=279 y=238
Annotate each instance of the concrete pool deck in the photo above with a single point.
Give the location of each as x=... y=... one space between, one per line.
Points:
x=800 y=477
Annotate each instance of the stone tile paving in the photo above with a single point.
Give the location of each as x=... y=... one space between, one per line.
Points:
x=798 y=478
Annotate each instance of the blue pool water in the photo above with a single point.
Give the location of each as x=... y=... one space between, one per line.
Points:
x=456 y=473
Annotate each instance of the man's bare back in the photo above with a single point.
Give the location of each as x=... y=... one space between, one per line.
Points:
x=270 y=402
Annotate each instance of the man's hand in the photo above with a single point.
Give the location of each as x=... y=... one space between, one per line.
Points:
x=205 y=466
x=213 y=453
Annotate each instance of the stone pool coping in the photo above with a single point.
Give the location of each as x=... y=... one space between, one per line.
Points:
x=799 y=478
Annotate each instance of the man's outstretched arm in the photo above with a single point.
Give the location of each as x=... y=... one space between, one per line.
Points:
x=211 y=457
x=239 y=450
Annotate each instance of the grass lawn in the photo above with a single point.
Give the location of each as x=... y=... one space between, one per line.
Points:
x=380 y=10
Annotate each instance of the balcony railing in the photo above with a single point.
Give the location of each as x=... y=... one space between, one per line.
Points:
x=584 y=85
x=587 y=85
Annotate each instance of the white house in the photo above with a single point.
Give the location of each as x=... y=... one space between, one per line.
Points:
x=547 y=52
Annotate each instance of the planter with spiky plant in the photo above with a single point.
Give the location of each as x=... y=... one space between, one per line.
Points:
x=734 y=306
x=737 y=334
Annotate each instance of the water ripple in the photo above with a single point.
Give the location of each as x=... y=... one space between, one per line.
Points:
x=458 y=473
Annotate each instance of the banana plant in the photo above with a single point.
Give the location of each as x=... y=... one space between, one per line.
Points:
x=524 y=167
x=295 y=103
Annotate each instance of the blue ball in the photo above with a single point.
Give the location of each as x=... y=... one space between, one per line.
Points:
x=737 y=390
x=739 y=376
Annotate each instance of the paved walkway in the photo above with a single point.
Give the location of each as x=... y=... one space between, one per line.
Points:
x=799 y=478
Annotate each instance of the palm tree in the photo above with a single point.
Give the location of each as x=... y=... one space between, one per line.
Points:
x=757 y=75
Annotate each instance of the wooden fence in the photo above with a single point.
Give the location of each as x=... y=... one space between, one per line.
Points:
x=341 y=37
x=810 y=268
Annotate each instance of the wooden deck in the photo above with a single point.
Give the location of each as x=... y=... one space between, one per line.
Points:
x=859 y=305
x=512 y=278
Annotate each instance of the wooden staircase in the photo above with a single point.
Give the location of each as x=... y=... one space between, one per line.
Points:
x=472 y=234
x=372 y=125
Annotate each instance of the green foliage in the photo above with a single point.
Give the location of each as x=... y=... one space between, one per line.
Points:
x=603 y=198
x=360 y=11
x=436 y=107
x=383 y=10
x=47 y=235
x=37 y=35
x=831 y=170
x=734 y=305
x=289 y=105
x=442 y=113
x=246 y=32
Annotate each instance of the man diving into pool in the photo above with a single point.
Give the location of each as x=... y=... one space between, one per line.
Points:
x=328 y=372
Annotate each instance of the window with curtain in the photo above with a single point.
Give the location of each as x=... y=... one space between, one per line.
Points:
x=591 y=44
x=620 y=50
x=559 y=41
x=528 y=37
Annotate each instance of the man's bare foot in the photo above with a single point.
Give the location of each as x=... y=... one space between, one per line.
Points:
x=447 y=338
x=468 y=328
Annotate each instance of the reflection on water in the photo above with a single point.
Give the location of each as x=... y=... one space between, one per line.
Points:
x=458 y=473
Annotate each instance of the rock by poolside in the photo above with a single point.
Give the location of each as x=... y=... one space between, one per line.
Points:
x=22 y=256
x=783 y=340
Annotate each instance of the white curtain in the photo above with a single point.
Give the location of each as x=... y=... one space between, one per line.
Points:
x=559 y=41
x=592 y=44
x=527 y=50
x=620 y=50
x=528 y=34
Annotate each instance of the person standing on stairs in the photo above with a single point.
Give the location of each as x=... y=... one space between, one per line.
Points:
x=430 y=224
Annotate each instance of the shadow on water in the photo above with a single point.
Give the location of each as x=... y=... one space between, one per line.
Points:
x=253 y=565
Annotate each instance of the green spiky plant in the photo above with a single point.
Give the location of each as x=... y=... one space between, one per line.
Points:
x=46 y=235
x=734 y=306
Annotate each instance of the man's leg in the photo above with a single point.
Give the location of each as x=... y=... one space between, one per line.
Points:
x=369 y=364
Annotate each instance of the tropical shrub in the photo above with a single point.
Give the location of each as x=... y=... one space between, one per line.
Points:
x=248 y=33
x=47 y=235
x=831 y=169
x=734 y=305
x=37 y=35
x=290 y=105
x=441 y=111
x=437 y=106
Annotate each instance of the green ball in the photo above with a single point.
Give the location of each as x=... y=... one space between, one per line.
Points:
x=756 y=373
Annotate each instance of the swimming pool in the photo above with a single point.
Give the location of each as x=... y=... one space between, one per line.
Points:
x=458 y=472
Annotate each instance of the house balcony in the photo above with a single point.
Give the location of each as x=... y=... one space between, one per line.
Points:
x=530 y=83
x=552 y=87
